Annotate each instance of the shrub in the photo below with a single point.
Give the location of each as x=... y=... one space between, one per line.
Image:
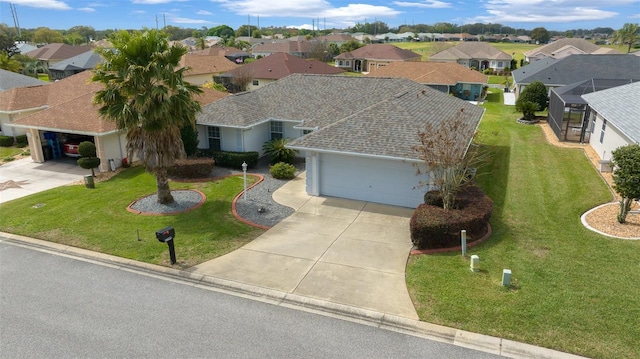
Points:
x=6 y=141
x=192 y=168
x=277 y=151
x=434 y=227
x=487 y=71
x=282 y=170
x=88 y=159
x=190 y=141
x=433 y=198
x=527 y=108
x=234 y=159
x=21 y=140
x=87 y=149
x=535 y=92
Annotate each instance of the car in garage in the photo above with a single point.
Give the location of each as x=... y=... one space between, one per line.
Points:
x=71 y=144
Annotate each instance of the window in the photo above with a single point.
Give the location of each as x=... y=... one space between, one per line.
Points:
x=306 y=132
x=348 y=63
x=604 y=127
x=340 y=63
x=276 y=130
x=214 y=138
x=500 y=64
x=255 y=83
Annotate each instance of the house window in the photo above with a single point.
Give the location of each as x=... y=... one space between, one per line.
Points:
x=604 y=127
x=276 y=130
x=214 y=138
x=340 y=63
x=255 y=83
x=499 y=64
x=348 y=63
x=306 y=132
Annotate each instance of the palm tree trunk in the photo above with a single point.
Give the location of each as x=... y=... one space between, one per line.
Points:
x=162 y=183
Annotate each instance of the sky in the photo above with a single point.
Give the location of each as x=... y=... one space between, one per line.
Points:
x=557 y=15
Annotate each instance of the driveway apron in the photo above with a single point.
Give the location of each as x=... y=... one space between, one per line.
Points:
x=343 y=251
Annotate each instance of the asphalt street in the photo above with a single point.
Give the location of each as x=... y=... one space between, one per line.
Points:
x=58 y=306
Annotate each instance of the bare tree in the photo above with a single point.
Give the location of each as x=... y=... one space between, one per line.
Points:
x=241 y=79
x=448 y=156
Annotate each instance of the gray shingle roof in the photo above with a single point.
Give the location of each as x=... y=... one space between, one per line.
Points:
x=576 y=68
x=360 y=115
x=471 y=50
x=85 y=61
x=9 y=80
x=620 y=106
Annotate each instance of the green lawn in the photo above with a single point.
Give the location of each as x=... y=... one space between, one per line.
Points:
x=97 y=219
x=573 y=290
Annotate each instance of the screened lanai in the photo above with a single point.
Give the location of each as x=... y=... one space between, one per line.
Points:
x=569 y=116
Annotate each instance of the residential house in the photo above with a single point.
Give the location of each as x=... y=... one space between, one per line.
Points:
x=356 y=133
x=231 y=53
x=446 y=77
x=11 y=86
x=272 y=68
x=51 y=54
x=566 y=47
x=337 y=39
x=51 y=113
x=9 y=80
x=73 y=65
x=202 y=68
x=575 y=68
x=613 y=119
x=372 y=56
x=475 y=55
x=302 y=49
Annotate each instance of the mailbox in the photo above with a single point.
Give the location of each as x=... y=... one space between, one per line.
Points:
x=165 y=234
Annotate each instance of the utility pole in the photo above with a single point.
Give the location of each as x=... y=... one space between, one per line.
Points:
x=156 y=21
x=16 y=23
x=249 y=26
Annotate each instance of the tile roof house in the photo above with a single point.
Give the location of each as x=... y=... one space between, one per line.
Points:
x=337 y=39
x=202 y=68
x=369 y=57
x=50 y=113
x=51 y=54
x=477 y=55
x=73 y=65
x=272 y=68
x=565 y=47
x=302 y=49
x=356 y=133
x=575 y=68
x=9 y=80
x=231 y=53
x=447 y=77
x=614 y=119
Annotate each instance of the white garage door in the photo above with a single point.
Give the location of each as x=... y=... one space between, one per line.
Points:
x=368 y=179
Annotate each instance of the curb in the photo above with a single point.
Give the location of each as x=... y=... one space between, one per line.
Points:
x=480 y=342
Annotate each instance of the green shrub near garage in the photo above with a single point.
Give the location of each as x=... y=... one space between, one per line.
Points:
x=6 y=141
x=283 y=170
x=21 y=140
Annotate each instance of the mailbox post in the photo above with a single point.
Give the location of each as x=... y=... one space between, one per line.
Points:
x=166 y=235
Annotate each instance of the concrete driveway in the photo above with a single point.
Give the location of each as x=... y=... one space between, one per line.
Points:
x=24 y=177
x=343 y=251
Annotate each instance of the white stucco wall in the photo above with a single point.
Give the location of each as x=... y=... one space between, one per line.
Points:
x=611 y=140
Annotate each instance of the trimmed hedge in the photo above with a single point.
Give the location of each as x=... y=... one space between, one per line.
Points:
x=21 y=140
x=235 y=159
x=192 y=168
x=6 y=141
x=433 y=227
x=282 y=170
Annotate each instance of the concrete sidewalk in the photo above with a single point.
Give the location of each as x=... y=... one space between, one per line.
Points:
x=342 y=251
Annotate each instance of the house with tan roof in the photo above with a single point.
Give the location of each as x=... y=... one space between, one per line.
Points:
x=337 y=39
x=565 y=47
x=202 y=68
x=231 y=53
x=475 y=55
x=302 y=49
x=446 y=77
x=272 y=68
x=53 y=53
x=370 y=57
x=355 y=132
x=52 y=113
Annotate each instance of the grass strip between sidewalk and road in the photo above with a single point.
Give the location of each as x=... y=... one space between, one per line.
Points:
x=572 y=290
x=97 y=219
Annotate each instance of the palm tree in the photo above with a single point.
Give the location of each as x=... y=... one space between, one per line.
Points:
x=627 y=35
x=145 y=94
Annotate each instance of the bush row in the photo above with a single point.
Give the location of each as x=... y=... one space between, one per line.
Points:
x=433 y=227
x=7 y=141
x=192 y=168
x=233 y=159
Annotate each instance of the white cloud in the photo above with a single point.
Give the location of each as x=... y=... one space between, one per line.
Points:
x=138 y=12
x=184 y=20
x=203 y=12
x=429 y=4
x=154 y=2
x=87 y=9
x=43 y=4
x=540 y=11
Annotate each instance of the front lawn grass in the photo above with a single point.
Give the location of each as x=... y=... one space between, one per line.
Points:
x=572 y=290
x=6 y=152
x=97 y=219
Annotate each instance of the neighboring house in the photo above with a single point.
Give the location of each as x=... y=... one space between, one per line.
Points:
x=567 y=108
x=575 y=68
x=12 y=85
x=446 y=77
x=566 y=47
x=272 y=68
x=475 y=55
x=9 y=80
x=23 y=47
x=613 y=118
x=302 y=49
x=51 y=54
x=370 y=57
x=73 y=65
x=337 y=39
x=52 y=113
x=356 y=133
x=202 y=68
x=231 y=53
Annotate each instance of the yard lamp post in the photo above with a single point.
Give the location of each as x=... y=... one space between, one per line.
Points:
x=244 y=171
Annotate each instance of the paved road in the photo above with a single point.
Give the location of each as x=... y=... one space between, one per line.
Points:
x=55 y=306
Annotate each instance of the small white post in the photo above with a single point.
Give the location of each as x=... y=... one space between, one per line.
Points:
x=475 y=263
x=244 y=171
x=506 y=277
x=463 y=238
